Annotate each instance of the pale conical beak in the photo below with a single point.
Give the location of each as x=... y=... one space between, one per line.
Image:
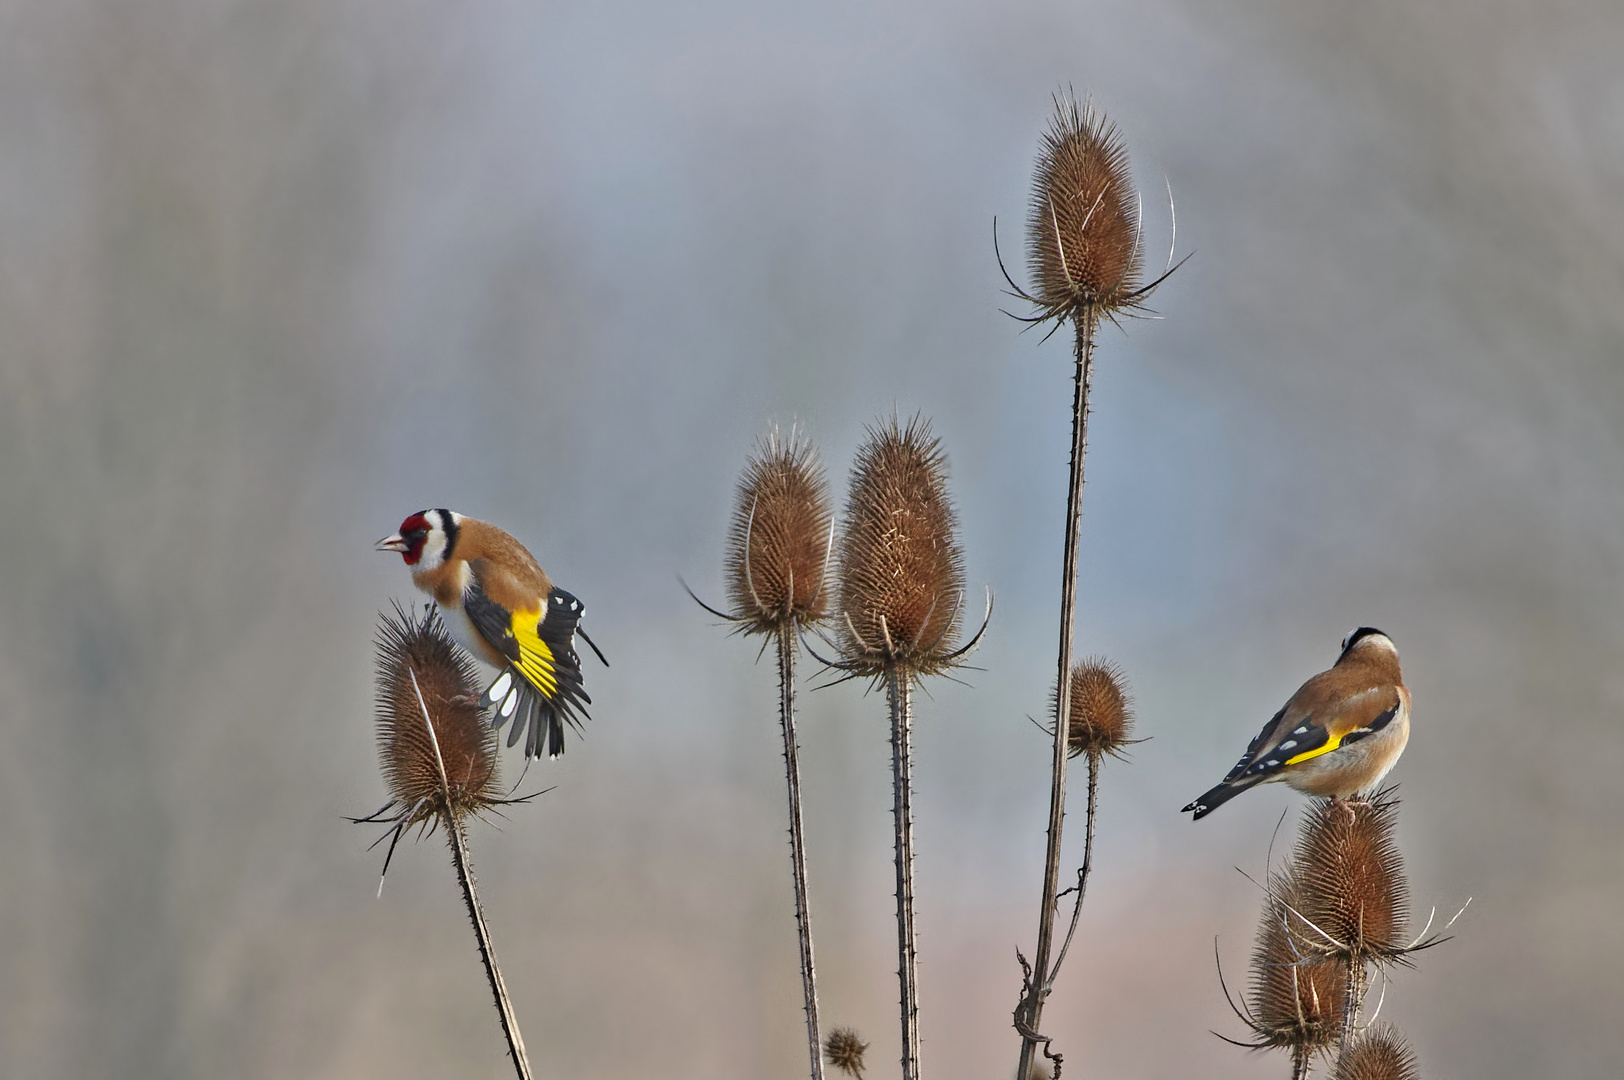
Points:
x=392 y=543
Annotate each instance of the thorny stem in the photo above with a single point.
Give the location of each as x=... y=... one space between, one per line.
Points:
x=476 y=913
x=899 y=697
x=1085 y=322
x=1299 y=1063
x=1352 y=1000
x=1082 y=872
x=797 y=845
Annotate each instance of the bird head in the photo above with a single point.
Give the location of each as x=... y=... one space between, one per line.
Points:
x=1366 y=637
x=425 y=539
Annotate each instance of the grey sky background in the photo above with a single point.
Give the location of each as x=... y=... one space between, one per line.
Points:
x=274 y=275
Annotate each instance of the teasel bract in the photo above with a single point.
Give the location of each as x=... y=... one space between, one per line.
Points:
x=1378 y=1054
x=438 y=756
x=778 y=554
x=901 y=599
x=1086 y=260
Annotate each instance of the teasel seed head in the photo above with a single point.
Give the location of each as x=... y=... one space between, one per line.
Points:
x=1083 y=225
x=418 y=657
x=1350 y=880
x=1296 y=994
x=1379 y=1054
x=781 y=539
x=1101 y=710
x=901 y=569
x=844 y=1050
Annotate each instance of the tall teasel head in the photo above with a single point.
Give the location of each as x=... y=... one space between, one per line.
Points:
x=1296 y=995
x=1101 y=710
x=437 y=753
x=1379 y=1054
x=1083 y=225
x=781 y=539
x=1354 y=900
x=901 y=568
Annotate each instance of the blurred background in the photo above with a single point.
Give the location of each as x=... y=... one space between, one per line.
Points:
x=274 y=275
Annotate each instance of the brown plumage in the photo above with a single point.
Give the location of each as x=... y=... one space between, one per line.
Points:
x=1379 y=1054
x=1337 y=736
x=1082 y=228
x=901 y=569
x=1101 y=711
x=779 y=545
x=406 y=752
x=1351 y=882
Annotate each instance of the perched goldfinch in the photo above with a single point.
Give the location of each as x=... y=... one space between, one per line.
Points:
x=1338 y=735
x=499 y=603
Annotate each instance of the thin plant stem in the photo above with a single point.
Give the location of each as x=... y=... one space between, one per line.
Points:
x=1085 y=323
x=1352 y=1000
x=1082 y=872
x=476 y=913
x=797 y=844
x=1299 y=1063
x=899 y=696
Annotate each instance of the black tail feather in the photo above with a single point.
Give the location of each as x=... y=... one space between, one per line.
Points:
x=1212 y=800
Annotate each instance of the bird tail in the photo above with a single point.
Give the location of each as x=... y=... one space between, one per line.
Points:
x=535 y=719
x=1212 y=800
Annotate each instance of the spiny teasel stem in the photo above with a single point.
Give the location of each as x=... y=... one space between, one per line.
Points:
x=1085 y=321
x=1082 y=871
x=470 y=895
x=493 y=972
x=797 y=845
x=898 y=691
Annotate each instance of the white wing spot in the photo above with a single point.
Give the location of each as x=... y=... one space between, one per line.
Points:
x=510 y=703
x=1288 y=744
x=1273 y=762
x=1301 y=731
x=500 y=687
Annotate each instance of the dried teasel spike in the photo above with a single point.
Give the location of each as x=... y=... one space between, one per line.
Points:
x=417 y=657
x=1083 y=228
x=1296 y=994
x=781 y=539
x=901 y=568
x=1354 y=897
x=1379 y=1054
x=1101 y=710
x=844 y=1049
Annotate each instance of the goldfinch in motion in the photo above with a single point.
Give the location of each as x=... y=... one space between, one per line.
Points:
x=1338 y=735
x=501 y=606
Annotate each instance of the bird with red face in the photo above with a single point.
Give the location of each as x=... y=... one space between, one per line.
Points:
x=502 y=607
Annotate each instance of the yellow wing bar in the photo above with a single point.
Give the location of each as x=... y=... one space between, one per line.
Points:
x=535 y=655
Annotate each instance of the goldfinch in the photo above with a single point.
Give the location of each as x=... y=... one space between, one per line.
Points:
x=1338 y=735
x=500 y=605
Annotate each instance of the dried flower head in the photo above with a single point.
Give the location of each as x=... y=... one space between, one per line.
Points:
x=1351 y=884
x=1296 y=994
x=1378 y=1054
x=844 y=1050
x=901 y=570
x=779 y=546
x=1101 y=711
x=420 y=669
x=1083 y=226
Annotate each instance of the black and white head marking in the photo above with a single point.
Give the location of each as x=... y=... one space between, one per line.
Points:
x=1367 y=637
x=443 y=526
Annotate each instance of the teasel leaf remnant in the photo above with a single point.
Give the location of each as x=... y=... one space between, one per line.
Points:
x=781 y=539
x=1378 y=1054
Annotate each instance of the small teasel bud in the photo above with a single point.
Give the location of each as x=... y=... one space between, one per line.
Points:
x=418 y=657
x=1379 y=1054
x=1101 y=710
x=1351 y=881
x=780 y=542
x=1296 y=994
x=844 y=1049
x=901 y=569
x=1083 y=227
